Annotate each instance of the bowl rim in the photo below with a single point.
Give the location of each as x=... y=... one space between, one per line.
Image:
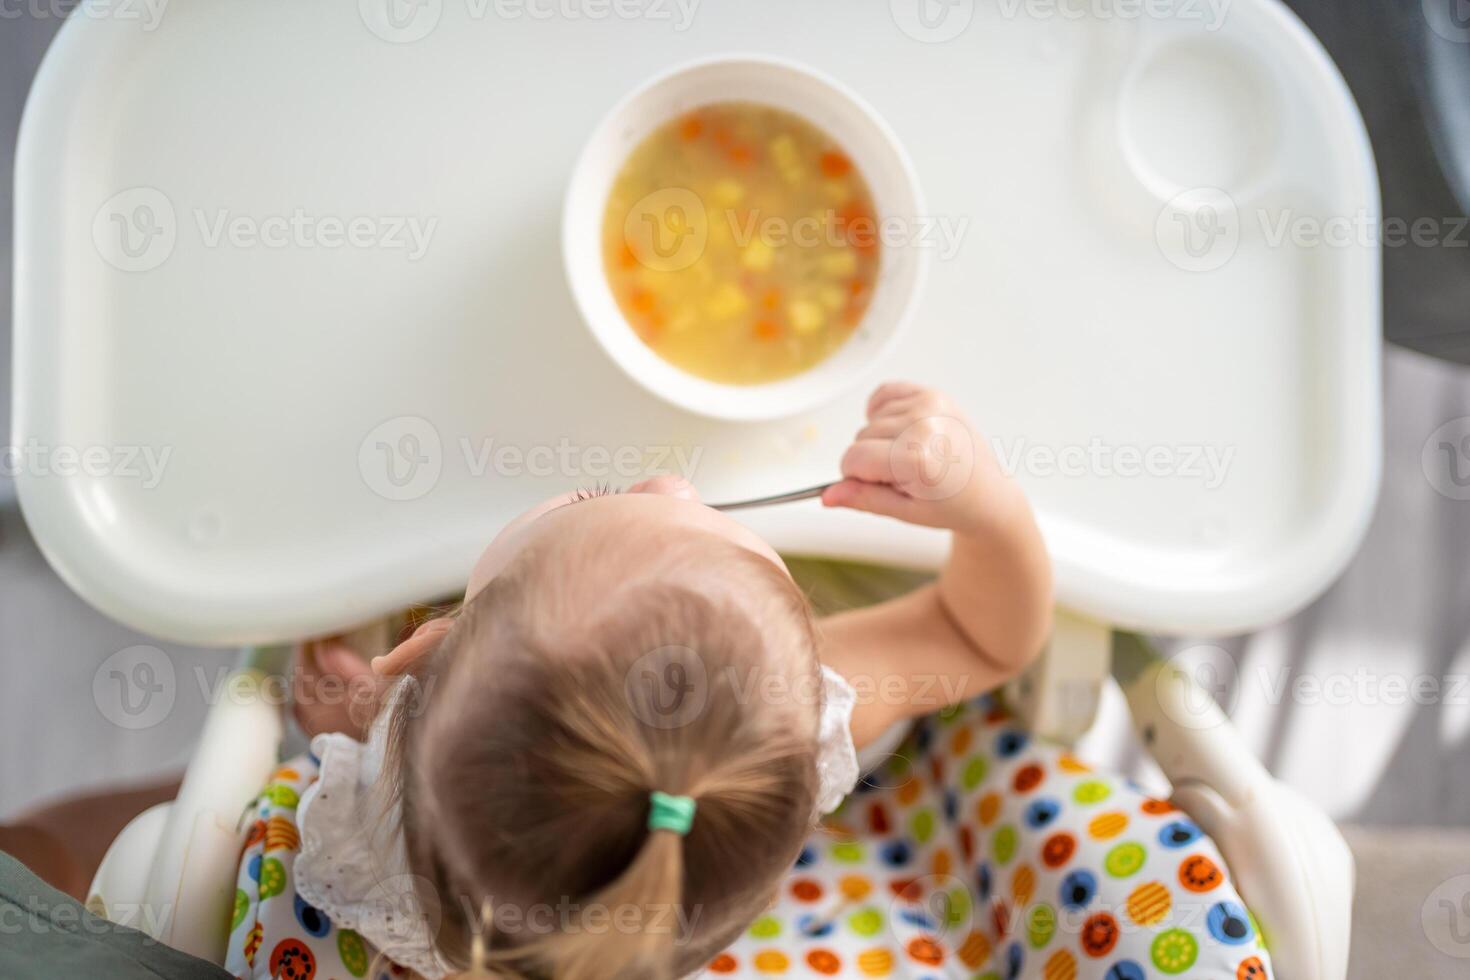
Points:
x=776 y=399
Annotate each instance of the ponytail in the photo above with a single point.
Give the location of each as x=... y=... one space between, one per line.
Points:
x=651 y=886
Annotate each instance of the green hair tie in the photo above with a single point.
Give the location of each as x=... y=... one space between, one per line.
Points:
x=674 y=813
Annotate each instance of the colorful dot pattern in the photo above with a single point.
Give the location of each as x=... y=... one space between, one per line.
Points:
x=975 y=852
x=274 y=935
x=981 y=853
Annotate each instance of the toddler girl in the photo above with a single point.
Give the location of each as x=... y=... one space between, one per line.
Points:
x=606 y=765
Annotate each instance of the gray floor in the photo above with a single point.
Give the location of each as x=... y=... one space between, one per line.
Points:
x=1402 y=610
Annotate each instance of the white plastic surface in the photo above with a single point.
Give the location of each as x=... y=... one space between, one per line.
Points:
x=171 y=872
x=281 y=380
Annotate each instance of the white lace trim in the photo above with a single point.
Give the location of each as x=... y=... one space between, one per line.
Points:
x=353 y=867
x=837 y=761
x=352 y=864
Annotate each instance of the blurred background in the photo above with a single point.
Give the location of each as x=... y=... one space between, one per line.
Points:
x=1322 y=697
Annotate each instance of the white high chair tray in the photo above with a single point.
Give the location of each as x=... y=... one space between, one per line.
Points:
x=280 y=379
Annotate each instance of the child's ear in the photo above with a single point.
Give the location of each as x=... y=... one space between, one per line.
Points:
x=405 y=655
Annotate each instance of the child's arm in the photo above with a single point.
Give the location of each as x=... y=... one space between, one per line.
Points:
x=988 y=613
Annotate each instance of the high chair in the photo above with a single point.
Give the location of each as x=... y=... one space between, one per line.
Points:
x=332 y=415
x=1290 y=862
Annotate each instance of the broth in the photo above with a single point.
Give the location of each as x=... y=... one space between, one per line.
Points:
x=741 y=243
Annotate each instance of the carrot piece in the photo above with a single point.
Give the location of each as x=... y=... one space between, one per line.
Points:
x=741 y=155
x=642 y=300
x=766 y=329
x=771 y=299
x=627 y=259
x=856 y=287
x=834 y=164
x=691 y=128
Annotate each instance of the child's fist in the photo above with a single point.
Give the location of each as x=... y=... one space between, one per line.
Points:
x=919 y=461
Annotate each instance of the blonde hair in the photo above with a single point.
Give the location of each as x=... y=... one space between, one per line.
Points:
x=524 y=775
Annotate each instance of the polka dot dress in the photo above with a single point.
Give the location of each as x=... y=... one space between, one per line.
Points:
x=274 y=934
x=976 y=852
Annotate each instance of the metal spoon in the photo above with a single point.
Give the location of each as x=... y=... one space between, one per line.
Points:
x=780 y=498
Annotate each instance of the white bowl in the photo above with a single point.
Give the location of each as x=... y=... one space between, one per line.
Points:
x=865 y=138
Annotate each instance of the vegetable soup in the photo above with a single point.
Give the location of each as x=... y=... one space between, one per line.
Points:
x=741 y=243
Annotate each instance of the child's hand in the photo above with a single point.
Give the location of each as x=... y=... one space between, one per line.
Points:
x=920 y=461
x=333 y=689
x=989 y=611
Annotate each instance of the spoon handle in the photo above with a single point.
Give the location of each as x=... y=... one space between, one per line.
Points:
x=780 y=498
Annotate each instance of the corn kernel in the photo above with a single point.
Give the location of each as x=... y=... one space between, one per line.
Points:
x=837 y=191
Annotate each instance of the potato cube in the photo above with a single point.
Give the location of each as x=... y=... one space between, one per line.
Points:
x=837 y=191
x=840 y=264
x=787 y=159
x=757 y=255
x=805 y=316
x=726 y=302
x=784 y=152
x=728 y=193
x=833 y=298
x=684 y=317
